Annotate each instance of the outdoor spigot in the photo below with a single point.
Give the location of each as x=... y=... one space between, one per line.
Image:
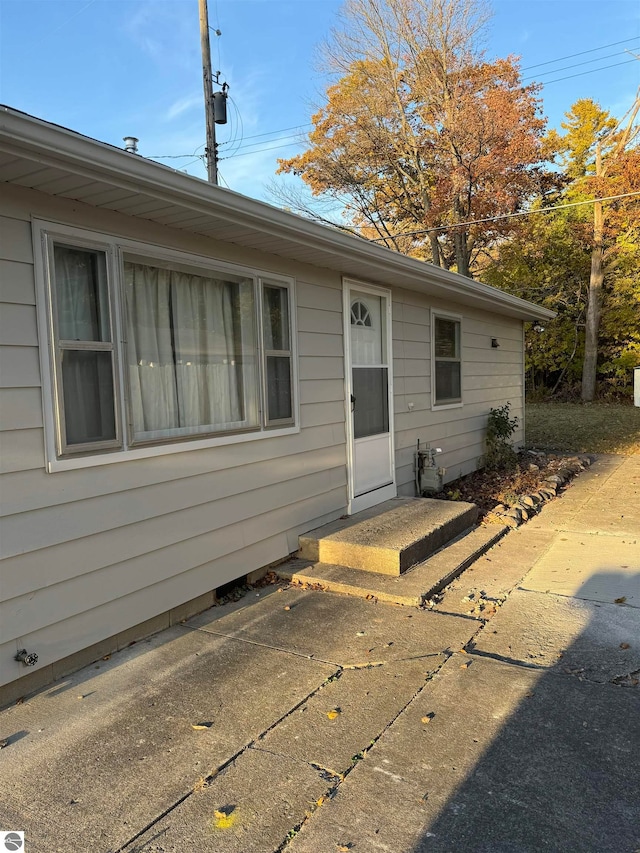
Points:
x=27 y=658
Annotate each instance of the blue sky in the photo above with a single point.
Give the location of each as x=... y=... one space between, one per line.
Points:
x=110 y=68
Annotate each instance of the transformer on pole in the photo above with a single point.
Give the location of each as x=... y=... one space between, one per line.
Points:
x=215 y=103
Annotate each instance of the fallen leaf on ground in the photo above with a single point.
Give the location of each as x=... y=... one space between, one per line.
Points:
x=620 y=600
x=335 y=712
x=625 y=646
x=225 y=817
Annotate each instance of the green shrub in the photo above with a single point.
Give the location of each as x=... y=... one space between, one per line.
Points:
x=499 y=454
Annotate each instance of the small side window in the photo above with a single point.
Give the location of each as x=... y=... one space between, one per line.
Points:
x=447 y=361
x=278 y=356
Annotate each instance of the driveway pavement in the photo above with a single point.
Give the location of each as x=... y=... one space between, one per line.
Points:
x=506 y=718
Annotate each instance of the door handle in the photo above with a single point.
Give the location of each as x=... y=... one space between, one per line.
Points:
x=353 y=403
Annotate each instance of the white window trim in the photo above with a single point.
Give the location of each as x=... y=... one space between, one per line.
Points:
x=114 y=247
x=445 y=315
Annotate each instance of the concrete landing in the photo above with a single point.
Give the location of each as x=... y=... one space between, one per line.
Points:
x=411 y=588
x=398 y=535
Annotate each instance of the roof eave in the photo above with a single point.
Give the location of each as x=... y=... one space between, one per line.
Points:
x=51 y=145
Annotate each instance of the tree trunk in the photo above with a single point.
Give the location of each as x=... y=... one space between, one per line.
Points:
x=594 y=310
x=435 y=249
x=594 y=298
x=462 y=253
x=460 y=242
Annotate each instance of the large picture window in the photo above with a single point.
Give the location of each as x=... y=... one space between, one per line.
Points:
x=447 y=361
x=149 y=349
x=191 y=352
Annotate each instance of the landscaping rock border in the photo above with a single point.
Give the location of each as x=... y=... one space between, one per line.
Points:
x=515 y=514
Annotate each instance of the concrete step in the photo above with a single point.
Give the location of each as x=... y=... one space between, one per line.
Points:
x=391 y=538
x=414 y=587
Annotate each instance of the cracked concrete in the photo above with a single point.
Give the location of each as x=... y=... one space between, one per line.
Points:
x=503 y=718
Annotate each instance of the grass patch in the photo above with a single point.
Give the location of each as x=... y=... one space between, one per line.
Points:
x=584 y=427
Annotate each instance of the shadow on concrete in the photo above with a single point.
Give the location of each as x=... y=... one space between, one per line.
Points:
x=14 y=738
x=563 y=773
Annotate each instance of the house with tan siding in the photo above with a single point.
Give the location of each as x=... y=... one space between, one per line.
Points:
x=190 y=379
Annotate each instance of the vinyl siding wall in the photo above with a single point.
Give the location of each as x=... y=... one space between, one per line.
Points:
x=490 y=378
x=89 y=553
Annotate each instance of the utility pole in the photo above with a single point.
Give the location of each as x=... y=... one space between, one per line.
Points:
x=211 y=149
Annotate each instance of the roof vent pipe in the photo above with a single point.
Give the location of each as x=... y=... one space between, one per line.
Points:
x=130 y=144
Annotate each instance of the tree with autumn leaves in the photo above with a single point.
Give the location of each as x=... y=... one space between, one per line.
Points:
x=420 y=132
x=429 y=148
x=583 y=260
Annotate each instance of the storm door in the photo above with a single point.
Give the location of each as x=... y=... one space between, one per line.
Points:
x=369 y=396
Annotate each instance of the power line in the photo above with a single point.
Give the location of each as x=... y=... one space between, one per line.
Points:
x=295 y=137
x=582 y=53
x=582 y=73
x=169 y=156
x=575 y=65
x=260 y=150
x=272 y=132
x=503 y=216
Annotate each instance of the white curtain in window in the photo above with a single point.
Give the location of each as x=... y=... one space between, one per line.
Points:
x=181 y=344
x=206 y=340
x=154 y=399
x=80 y=292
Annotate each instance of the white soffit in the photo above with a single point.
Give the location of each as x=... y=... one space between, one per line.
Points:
x=59 y=162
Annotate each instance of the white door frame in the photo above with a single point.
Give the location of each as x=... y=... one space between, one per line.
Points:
x=369 y=499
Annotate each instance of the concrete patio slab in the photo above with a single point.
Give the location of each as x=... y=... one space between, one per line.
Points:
x=339 y=629
x=511 y=760
x=411 y=588
x=604 y=500
x=485 y=584
x=102 y=754
x=598 y=642
x=367 y=700
x=249 y=807
x=592 y=567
